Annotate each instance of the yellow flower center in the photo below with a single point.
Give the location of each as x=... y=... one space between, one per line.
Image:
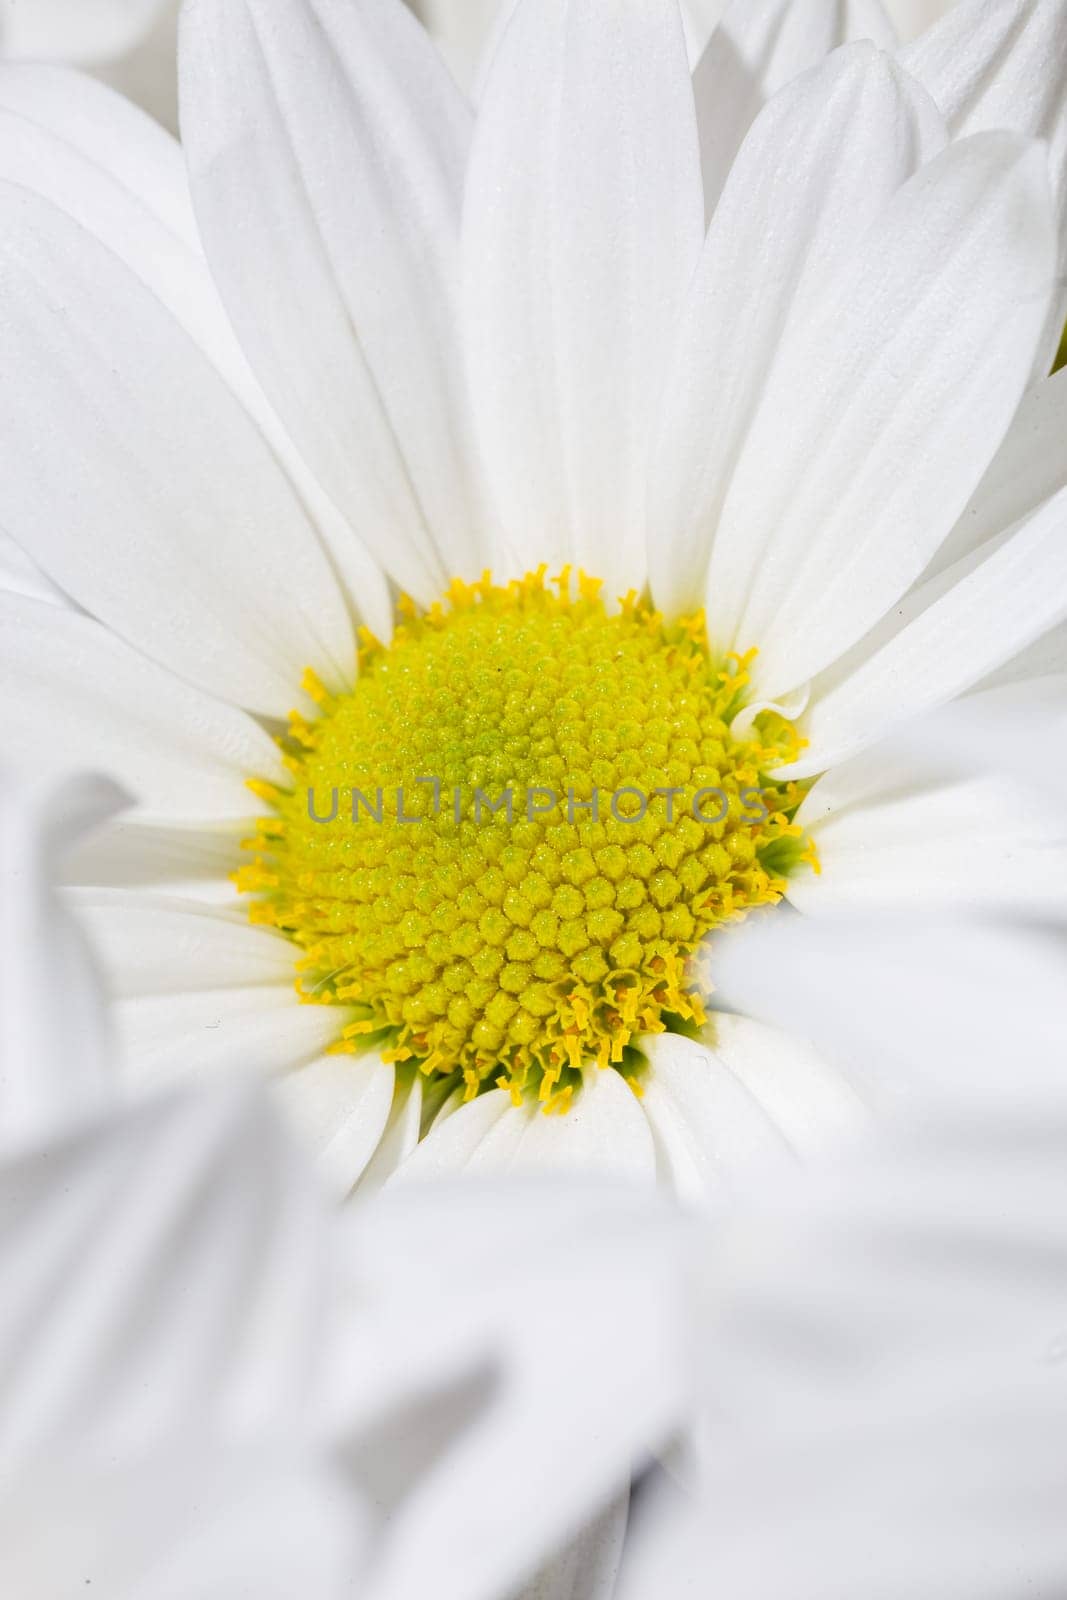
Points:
x=503 y=846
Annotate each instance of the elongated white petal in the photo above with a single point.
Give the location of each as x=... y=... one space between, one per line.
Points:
x=1029 y=468
x=62 y=125
x=604 y=1131
x=399 y=1136
x=191 y=862
x=117 y=174
x=339 y=1107
x=199 y=991
x=997 y=607
x=743 y=1094
x=1002 y=64
x=818 y=166
x=518 y=1268
x=53 y=1039
x=168 y=1263
x=885 y=1399
x=85 y=698
x=170 y=520
x=919 y=354
x=758 y=48
x=582 y=228
x=331 y=220
x=892 y=830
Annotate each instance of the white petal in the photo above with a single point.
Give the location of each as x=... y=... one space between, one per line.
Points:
x=973 y=843
x=176 y=1520
x=517 y=1268
x=123 y=180
x=61 y=127
x=192 y=863
x=995 y=608
x=75 y=30
x=1029 y=467
x=399 y=1137
x=604 y=1131
x=883 y=411
x=117 y=174
x=758 y=48
x=582 y=228
x=170 y=519
x=588 y=1569
x=911 y=1031
x=151 y=944
x=53 y=1040
x=744 y=1094
x=885 y=1397
x=85 y=698
x=338 y=1107
x=1002 y=64
x=815 y=171
x=170 y=1265
x=19 y=575
x=331 y=218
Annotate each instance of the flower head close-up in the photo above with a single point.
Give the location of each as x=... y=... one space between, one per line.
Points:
x=502 y=551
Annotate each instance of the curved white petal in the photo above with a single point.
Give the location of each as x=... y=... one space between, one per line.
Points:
x=517 y=1268
x=816 y=169
x=168 y=1263
x=892 y=831
x=399 y=1136
x=338 y=1107
x=65 y=134
x=883 y=410
x=53 y=1037
x=192 y=863
x=996 y=608
x=1002 y=64
x=884 y=1399
x=118 y=175
x=199 y=991
x=78 y=696
x=758 y=48
x=20 y=575
x=583 y=225
x=1029 y=468
x=155 y=502
x=326 y=145
x=604 y=1131
x=743 y=1093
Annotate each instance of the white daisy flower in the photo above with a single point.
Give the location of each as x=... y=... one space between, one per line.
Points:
x=748 y=499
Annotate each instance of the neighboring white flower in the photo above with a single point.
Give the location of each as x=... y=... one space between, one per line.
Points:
x=84 y=32
x=445 y=356
x=884 y=1343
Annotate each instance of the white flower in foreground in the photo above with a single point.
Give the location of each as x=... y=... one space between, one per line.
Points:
x=884 y=1401
x=77 y=31
x=212 y=1385
x=810 y=435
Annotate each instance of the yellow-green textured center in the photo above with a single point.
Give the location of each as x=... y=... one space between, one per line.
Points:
x=505 y=843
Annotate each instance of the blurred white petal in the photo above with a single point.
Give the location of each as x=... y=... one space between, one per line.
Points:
x=53 y=1041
